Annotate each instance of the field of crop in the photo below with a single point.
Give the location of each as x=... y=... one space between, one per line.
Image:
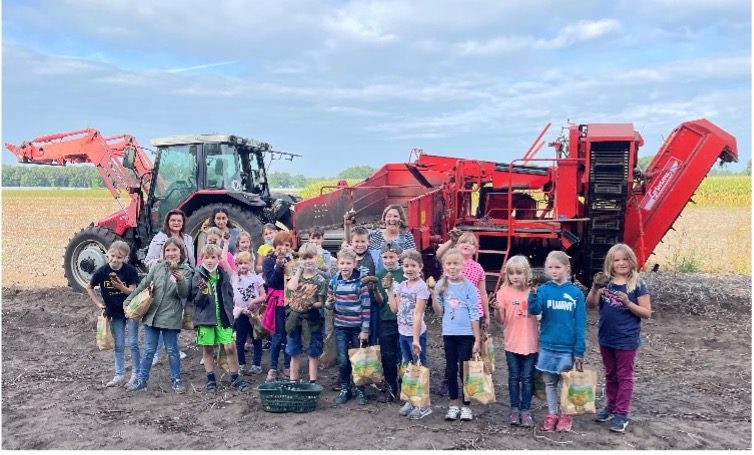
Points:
x=712 y=236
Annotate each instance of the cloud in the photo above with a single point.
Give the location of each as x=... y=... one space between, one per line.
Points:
x=200 y=67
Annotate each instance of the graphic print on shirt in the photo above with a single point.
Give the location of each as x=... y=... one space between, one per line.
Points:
x=454 y=303
x=406 y=307
x=609 y=297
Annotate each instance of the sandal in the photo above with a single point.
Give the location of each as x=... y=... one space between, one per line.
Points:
x=240 y=385
x=212 y=387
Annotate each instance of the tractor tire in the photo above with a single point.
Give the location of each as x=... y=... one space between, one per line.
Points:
x=86 y=252
x=244 y=220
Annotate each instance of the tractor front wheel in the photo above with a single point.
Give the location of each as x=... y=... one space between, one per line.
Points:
x=86 y=252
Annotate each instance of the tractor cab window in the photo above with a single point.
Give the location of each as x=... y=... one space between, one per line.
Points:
x=223 y=169
x=258 y=177
x=175 y=179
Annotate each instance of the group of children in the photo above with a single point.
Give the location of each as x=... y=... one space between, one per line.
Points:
x=377 y=297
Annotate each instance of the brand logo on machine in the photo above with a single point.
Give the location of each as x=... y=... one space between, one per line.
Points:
x=653 y=195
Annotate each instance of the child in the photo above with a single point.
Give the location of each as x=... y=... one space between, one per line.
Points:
x=623 y=304
x=350 y=301
x=457 y=302
x=248 y=296
x=212 y=294
x=408 y=300
x=243 y=243
x=214 y=237
x=388 y=331
x=116 y=280
x=368 y=264
x=171 y=287
x=274 y=317
x=324 y=258
x=561 y=335
x=268 y=234
x=520 y=337
x=306 y=291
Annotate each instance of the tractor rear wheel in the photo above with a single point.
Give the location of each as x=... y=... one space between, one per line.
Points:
x=245 y=220
x=86 y=252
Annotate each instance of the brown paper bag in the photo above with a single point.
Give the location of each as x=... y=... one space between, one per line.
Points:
x=329 y=353
x=366 y=365
x=477 y=383
x=104 y=334
x=415 y=385
x=488 y=354
x=187 y=322
x=577 y=392
x=139 y=304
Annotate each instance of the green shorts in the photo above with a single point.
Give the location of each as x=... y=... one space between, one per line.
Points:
x=212 y=335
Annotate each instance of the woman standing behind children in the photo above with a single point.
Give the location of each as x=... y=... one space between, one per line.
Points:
x=561 y=335
x=248 y=296
x=623 y=304
x=457 y=302
x=171 y=279
x=116 y=280
x=520 y=337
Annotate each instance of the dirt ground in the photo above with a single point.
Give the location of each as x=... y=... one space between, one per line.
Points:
x=693 y=388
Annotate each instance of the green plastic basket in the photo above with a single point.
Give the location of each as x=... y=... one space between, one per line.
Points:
x=289 y=396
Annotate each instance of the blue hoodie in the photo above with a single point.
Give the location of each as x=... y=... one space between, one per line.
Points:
x=563 y=324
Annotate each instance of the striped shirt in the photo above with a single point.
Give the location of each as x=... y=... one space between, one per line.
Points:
x=352 y=303
x=405 y=239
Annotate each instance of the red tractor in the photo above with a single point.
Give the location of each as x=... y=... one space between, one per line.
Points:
x=196 y=173
x=587 y=198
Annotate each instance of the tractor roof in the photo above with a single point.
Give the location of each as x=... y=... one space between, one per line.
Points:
x=205 y=139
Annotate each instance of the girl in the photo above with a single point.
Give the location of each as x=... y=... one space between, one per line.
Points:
x=116 y=280
x=268 y=234
x=394 y=219
x=457 y=302
x=248 y=296
x=408 y=300
x=561 y=335
x=623 y=304
x=467 y=244
x=221 y=220
x=227 y=262
x=171 y=279
x=520 y=337
x=243 y=243
x=274 y=316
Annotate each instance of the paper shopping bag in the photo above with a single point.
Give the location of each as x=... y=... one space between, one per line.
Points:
x=139 y=304
x=577 y=392
x=415 y=385
x=477 y=383
x=366 y=365
x=104 y=334
x=488 y=354
x=187 y=322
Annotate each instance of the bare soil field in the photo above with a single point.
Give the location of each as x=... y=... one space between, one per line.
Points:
x=693 y=388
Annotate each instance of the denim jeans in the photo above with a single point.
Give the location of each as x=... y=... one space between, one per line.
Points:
x=458 y=349
x=407 y=351
x=552 y=389
x=119 y=326
x=243 y=332
x=345 y=338
x=170 y=337
x=520 y=379
x=278 y=340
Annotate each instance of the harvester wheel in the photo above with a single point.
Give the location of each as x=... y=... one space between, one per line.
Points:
x=86 y=252
x=243 y=219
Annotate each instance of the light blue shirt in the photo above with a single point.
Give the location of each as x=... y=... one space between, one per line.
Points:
x=460 y=306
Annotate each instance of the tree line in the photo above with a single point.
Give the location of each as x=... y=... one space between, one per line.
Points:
x=88 y=177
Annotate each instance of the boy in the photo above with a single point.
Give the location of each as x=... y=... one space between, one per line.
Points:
x=324 y=258
x=306 y=291
x=351 y=303
x=388 y=329
x=367 y=263
x=212 y=294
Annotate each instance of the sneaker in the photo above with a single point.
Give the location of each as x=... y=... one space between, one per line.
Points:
x=603 y=415
x=344 y=395
x=550 y=421
x=156 y=360
x=182 y=355
x=179 y=387
x=526 y=420
x=619 y=423
x=386 y=395
x=466 y=413
x=116 y=381
x=266 y=345
x=211 y=387
x=242 y=370
x=419 y=413
x=201 y=362
x=272 y=376
x=255 y=369
x=406 y=409
x=137 y=386
x=361 y=397
x=453 y=413
x=240 y=385
x=131 y=381
x=515 y=417
x=564 y=423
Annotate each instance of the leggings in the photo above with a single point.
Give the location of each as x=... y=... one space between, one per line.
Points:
x=457 y=350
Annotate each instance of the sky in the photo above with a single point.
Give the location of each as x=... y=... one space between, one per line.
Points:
x=347 y=83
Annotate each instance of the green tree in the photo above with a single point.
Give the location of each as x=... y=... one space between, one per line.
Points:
x=356 y=172
x=644 y=161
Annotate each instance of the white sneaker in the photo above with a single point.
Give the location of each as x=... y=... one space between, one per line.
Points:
x=406 y=409
x=131 y=381
x=156 y=360
x=116 y=381
x=466 y=413
x=182 y=355
x=453 y=413
x=419 y=413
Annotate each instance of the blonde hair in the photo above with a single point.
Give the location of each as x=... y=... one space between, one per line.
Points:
x=443 y=284
x=470 y=238
x=561 y=257
x=211 y=250
x=517 y=263
x=214 y=231
x=632 y=282
x=244 y=234
x=347 y=252
x=121 y=247
x=243 y=256
x=308 y=250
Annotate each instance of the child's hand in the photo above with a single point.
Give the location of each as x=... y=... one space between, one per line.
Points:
x=454 y=234
x=476 y=348
x=416 y=348
x=387 y=282
x=578 y=364
x=623 y=297
x=177 y=275
x=363 y=336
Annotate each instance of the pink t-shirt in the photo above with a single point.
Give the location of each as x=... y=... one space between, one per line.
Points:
x=474 y=272
x=520 y=329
